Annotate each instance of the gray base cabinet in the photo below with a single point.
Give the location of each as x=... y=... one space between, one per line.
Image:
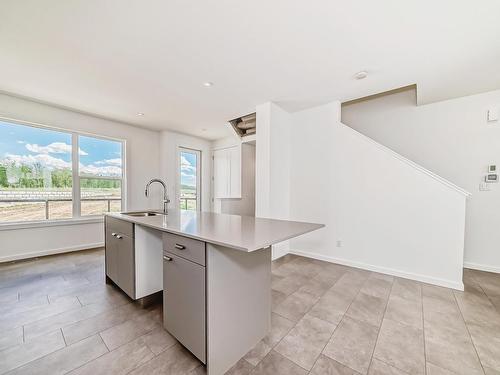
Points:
x=184 y=302
x=120 y=254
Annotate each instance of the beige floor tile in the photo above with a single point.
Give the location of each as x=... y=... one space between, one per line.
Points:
x=486 y=340
x=304 y=343
x=241 y=367
x=257 y=353
x=367 y=308
x=433 y=291
x=88 y=327
x=280 y=326
x=276 y=298
x=11 y=337
x=439 y=321
x=490 y=371
x=119 y=361
x=55 y=322
x=332 y=306
x=173 y=361
x=159 y=340
x=378 y=286
x=351 y=282
x=451 y=350
x=380 y=368
x=408 y=289
x=13 y=319
x=19 y=355
x=131 y=329
x=401 y=346
x=15 y=307
x=477 y=308
x=496 y=302
x=274 y=363
x=406 y=311
x=66 y=359
x=295 y=306
x=436 y=370
x=328 y=366
x=316 y=287
x=290 y=284
x=329 y=277
x=106 y=293
x=352 y=344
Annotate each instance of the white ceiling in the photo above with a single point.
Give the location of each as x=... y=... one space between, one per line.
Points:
x=115 y=58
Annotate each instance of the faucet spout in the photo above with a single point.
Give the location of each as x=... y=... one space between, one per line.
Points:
x=166 y=201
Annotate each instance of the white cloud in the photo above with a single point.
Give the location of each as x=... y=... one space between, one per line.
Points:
x=21 y=142
x=117 y=162
x=45 y=160
x=185 y=162
x=53 y=148
x=186 y=166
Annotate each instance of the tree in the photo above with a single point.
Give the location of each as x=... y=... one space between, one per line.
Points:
x=4 y=182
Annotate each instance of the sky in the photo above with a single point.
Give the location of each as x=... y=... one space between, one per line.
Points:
x=188 y=168
x=52 y=149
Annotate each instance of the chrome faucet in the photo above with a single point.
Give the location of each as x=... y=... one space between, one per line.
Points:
x=166 y=201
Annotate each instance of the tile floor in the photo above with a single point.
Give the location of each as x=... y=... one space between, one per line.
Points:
x=57 y=316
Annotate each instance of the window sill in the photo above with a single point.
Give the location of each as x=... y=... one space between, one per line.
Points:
x=51 y=223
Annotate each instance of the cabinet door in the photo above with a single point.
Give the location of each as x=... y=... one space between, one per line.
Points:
x=184 y=303
x=111 y=257
x=126 y=264
x=235 y=172
x=221 y=174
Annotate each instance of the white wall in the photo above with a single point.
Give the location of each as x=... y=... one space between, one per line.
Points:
x=142 y=161
x=272 y=166
x=390 y=215
x=169 y=165
x=453 y=139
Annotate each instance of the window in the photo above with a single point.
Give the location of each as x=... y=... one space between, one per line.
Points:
x=189 y=181
x=100 y=175
x=42 y=178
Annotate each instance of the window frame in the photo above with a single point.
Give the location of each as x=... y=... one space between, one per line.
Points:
x=198 y=153
x=75 y=172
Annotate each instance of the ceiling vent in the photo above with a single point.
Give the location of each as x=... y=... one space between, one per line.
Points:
x=245 y=125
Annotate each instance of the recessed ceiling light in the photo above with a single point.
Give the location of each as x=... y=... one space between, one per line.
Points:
x=361 y=75
x=208 y=84
x=140 y=114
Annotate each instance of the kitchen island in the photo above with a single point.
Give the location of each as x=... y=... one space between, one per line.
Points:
x=214 y=269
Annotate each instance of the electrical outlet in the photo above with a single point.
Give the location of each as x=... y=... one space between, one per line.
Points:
x=484 y=186
x=339 y=243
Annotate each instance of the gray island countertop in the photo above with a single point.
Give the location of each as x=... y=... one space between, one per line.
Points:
x=245 y=233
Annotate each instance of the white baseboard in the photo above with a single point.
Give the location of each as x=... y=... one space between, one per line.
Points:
x=481 y=267
x=388 y=271
x=36 y=254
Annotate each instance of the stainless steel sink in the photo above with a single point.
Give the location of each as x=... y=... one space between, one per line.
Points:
x=143 y=213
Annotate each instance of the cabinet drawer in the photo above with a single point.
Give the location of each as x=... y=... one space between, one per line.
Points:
x=120 y=226
x=184 y=247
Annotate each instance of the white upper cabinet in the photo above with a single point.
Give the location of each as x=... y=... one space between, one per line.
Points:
x=227 y=172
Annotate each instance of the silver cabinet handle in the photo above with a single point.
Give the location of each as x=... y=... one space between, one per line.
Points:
x=168 y=259
x=119 y=237
x=113 y=234
x=180 y=247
